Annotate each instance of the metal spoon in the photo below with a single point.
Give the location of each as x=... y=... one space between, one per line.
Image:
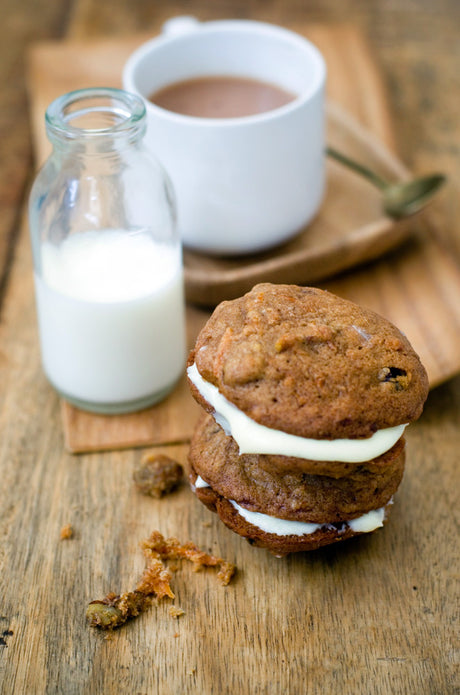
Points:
x=399 y=199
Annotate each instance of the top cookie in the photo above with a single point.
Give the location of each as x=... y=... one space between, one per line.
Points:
x=306 y=362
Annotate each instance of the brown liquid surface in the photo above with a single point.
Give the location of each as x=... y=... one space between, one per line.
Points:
x=221 y=97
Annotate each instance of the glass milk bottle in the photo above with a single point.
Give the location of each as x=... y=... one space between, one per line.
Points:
x=107 y=257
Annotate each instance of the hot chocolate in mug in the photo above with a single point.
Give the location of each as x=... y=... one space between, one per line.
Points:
x=247 y=183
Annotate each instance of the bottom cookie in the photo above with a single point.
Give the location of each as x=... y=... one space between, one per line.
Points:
x=291 y=536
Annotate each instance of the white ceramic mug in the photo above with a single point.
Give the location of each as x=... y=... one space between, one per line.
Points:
x=242 y=184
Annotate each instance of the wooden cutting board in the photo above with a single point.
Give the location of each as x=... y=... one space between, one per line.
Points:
x=416 y=286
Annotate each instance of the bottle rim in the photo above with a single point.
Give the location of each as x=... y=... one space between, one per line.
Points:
x=119 y=113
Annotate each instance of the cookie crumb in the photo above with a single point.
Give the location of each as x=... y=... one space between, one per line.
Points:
x=67 y=532
x=157 y=475
x=158 y=547
x=116 y=609
x=113 y=610
x=175 y=612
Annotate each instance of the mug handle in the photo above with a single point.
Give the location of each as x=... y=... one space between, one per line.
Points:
x=177 y=26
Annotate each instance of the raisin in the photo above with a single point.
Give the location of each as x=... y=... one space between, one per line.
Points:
x=394 y=375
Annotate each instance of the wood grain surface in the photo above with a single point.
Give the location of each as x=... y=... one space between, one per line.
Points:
x=378 y=615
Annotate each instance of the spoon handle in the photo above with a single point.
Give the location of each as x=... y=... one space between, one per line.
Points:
x=358 y=168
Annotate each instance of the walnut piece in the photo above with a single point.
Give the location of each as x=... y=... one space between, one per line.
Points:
x=157 y=475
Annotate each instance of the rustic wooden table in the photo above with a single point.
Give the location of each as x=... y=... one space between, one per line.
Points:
x=377 y=616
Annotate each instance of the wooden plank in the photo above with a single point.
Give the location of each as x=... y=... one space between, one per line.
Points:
x=15 y=140
x=376 y=615
x=370 y=616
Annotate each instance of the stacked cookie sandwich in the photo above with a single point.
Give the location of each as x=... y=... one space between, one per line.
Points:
x=306 y=397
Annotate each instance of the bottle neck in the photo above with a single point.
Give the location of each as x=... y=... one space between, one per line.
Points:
x=96 y=121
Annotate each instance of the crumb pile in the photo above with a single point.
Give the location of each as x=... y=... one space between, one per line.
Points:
x=116 y=609
x=306 y=397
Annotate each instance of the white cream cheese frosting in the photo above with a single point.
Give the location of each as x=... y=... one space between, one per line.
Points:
x=253 y=438
x=283 y=527
x=199 y=482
